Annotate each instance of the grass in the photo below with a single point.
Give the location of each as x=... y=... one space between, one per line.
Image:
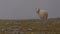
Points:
x=52 y=26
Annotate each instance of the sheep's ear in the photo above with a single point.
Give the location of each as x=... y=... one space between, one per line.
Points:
x=36 y=10
x=39 y=9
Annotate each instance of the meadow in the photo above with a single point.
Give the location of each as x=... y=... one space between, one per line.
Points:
x=31 y=26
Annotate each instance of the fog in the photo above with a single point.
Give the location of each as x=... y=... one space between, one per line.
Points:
x=25 y=9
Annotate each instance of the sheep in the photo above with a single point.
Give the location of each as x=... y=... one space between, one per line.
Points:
x=42 y=13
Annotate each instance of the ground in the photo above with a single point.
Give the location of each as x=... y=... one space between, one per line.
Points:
x=32 y=26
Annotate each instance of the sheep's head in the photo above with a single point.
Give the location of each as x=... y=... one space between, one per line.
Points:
x=37 y=10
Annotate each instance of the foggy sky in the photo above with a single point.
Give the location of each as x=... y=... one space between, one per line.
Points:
x=25 y=9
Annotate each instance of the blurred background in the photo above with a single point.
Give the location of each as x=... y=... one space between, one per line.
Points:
x=25 y=9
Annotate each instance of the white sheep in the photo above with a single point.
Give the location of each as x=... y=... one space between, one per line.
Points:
x=42 y=13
